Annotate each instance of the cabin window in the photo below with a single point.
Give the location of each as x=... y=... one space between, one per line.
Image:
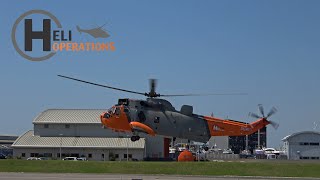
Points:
x=156 y=120
x=67 y=126
x=46 y=125
x=141 y=116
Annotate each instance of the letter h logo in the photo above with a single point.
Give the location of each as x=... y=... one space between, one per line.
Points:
x=45 y=35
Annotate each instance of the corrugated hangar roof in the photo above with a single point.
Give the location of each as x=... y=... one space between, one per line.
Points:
x=30 y=140
x=77 y=116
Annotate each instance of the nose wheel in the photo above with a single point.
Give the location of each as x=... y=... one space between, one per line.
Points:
x=135 y=138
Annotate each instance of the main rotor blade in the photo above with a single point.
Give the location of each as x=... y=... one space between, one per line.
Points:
x=272 y=111
x=105 y=86
x=208 y=94
x=254 y=115
x=261 y=109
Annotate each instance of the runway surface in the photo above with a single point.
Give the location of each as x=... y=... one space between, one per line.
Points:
x=73 y=176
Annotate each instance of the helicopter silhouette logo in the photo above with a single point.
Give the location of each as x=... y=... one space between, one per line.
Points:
x=97 y=32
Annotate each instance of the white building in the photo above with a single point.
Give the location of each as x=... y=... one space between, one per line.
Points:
x=302 y=145
x=78 y=132
x=219 y=142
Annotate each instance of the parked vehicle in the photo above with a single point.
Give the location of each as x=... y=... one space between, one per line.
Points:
x=227 y=151
x=3 y=156
x=33 y=158
x=180 y=147
x=70 y=159
x=271 y=156
x=82 y=159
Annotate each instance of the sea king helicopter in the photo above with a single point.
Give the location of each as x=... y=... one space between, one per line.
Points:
x=155 y=116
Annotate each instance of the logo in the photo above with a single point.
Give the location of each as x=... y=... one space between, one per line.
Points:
x=245 y=129
x=53 y=39
x=217 y=128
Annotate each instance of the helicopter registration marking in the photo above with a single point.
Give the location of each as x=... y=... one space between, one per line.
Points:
x=217 y=128
x=245 y=129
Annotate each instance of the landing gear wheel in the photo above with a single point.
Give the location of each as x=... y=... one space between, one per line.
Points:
x=134 y=138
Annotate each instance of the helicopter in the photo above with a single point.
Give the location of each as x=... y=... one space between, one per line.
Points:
x=155 y=116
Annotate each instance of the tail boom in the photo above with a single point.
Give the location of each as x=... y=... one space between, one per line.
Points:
x=221 y=127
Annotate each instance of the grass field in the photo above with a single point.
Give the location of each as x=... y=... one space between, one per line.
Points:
x=272 y=168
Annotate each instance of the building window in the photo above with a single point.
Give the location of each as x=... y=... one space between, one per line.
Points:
x=304 y=143
x=34 y=154
x=314 y=144
x=47 y=154
x=102 y=156
x=117 y=156
x=23 y=155
x=58 y=155
x=309 y=143
x=67 y=126
x=125 y=156
x=90 y=155
x=46 y=125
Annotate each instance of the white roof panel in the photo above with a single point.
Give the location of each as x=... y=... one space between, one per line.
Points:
x=30 y=140
x=76 y=116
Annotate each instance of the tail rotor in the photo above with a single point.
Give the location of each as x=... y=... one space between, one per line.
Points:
x=272 y=111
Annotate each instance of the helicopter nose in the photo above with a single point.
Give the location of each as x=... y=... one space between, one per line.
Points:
x=103 y=118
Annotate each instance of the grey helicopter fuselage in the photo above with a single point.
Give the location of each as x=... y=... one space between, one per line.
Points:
x=161 y=116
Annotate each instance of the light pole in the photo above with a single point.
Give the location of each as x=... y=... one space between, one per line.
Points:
x=60 y=144
x=259 y=138
x=127 y=148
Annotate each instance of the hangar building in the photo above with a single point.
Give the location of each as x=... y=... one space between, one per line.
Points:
x=78 y=132
x=302 y=145
x=5 y=144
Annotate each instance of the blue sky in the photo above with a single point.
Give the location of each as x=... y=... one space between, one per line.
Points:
x=268 y=49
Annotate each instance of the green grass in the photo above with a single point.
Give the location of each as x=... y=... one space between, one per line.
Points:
x=272 y=168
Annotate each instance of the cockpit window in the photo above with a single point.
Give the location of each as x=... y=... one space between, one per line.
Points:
x=117 y=111
x=111 y=110
x=106 y=115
